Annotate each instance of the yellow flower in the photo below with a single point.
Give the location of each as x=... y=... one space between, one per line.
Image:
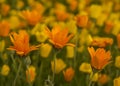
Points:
x=95 y=11
x=5 y=70
x=21 y=43
x=59 y=65
x=69 y=74
x=14 y=22
x=45 y=50
x=116 y=81
x=99 y=58
x=20 y=4
x=39 y=32
x=70 y=52
x=4 y=28
x=2 y=45
x=95 y=77
x=117 y=61
x=85 y=67
x=59 y=37
x=30 y=74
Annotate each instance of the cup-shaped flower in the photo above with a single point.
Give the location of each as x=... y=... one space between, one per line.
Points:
x=99 y=58
x=116 y=81
x=21 y=43
x=69 y=74
x=30 y=74
x=59 y=37
x=4 y=28
x=58 y=64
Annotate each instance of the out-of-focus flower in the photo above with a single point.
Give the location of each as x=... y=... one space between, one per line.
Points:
x=4 y=28
x=99 y=58
x=95 y=11
x=95 y=77
x=2 y=1
x=32 y=17
x=2 y=45
x=45 y=50
x=60 y=12
x=101 y=19
x=59 y=65
x=117 y=61
x=21 y=43
x=61 y=15
x=85 y=67
x=116 y=81
x=5 y=70
x=39 y=32
x=118 y=40
x=108 y=27
x=20 y=4
x=59 y=37
x=70 y=52
x=30 y=74
x=4 y=57
x=103 y=78
x=85 y=37
x=101 y=42
x=69 y=74
x=38 y=7
x=73 y=4
x=81 y=20
x=116 y=28
x=14 y=22
x=4 y=9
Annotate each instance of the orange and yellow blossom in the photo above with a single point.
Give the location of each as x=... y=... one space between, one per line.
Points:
x=21 y=43
x=101 y=41
x=4 y=28
x=99 y=58
x=30 y=74
x=69 y=74
x=59 y=37
x=32 y=17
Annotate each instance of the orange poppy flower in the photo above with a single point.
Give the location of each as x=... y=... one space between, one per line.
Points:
x=4 y=28
x=69 y=74
x=81 y=20
x=99 y=58
x=61 y=15
x=5 y=8
x=59 y=37
x=21 y=43
x=32 y=17
x=101 y=42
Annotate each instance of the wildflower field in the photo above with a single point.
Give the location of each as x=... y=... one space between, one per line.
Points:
x=59 y=42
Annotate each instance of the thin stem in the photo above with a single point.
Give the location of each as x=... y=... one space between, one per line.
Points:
x=54 y=66
x=76 y=46
x=28 y=75
x=56 y=52
x=17 y=75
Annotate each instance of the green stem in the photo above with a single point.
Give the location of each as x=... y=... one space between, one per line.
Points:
x=17 y=75
x=56 y=52
x=30 y=84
